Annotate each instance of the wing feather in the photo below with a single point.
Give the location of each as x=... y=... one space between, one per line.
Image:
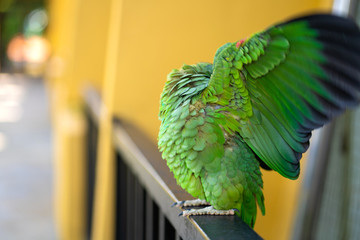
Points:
x=298 y=75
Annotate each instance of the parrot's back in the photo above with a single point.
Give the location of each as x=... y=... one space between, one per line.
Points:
x=213 y=166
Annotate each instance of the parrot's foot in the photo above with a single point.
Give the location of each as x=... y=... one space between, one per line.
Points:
x=208 y=211
x=191 y=203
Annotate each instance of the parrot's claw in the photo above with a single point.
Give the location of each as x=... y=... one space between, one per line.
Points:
x=208 y=211
x=190 y=203
x=178 y=204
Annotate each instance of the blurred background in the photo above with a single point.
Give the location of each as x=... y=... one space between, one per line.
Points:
x=53 y=51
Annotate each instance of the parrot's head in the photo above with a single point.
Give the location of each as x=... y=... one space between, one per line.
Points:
x=221 y=49
x=182 y=86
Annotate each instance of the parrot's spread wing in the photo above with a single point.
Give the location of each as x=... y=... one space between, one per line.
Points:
x=290 y=79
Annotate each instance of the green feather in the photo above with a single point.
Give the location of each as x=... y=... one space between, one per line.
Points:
x=260 y=99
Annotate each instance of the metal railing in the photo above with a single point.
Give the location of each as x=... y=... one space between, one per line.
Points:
x=146 y=189
x=92 y=142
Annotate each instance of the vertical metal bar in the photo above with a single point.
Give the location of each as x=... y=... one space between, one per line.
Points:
x=91 y=167
x=161 y=225
x=169 y=230
x=121 y=179
x=139 y=211
x=130 y=206
x=177 y=236
x=313 y=183
x=353 y=230
x=149 y=213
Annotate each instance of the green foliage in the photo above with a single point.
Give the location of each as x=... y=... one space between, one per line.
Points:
x=13 y=14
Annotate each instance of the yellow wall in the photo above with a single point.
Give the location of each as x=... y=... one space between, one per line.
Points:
x=78 y=32
x=93 y=22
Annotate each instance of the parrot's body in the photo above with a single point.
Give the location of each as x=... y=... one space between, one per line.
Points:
x=256 y=105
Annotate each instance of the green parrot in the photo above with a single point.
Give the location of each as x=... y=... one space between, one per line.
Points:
x=256 y=106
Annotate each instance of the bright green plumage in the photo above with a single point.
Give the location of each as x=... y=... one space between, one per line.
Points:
x=257 y=105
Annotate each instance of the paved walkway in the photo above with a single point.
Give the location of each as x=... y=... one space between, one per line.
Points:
x=26 y=168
